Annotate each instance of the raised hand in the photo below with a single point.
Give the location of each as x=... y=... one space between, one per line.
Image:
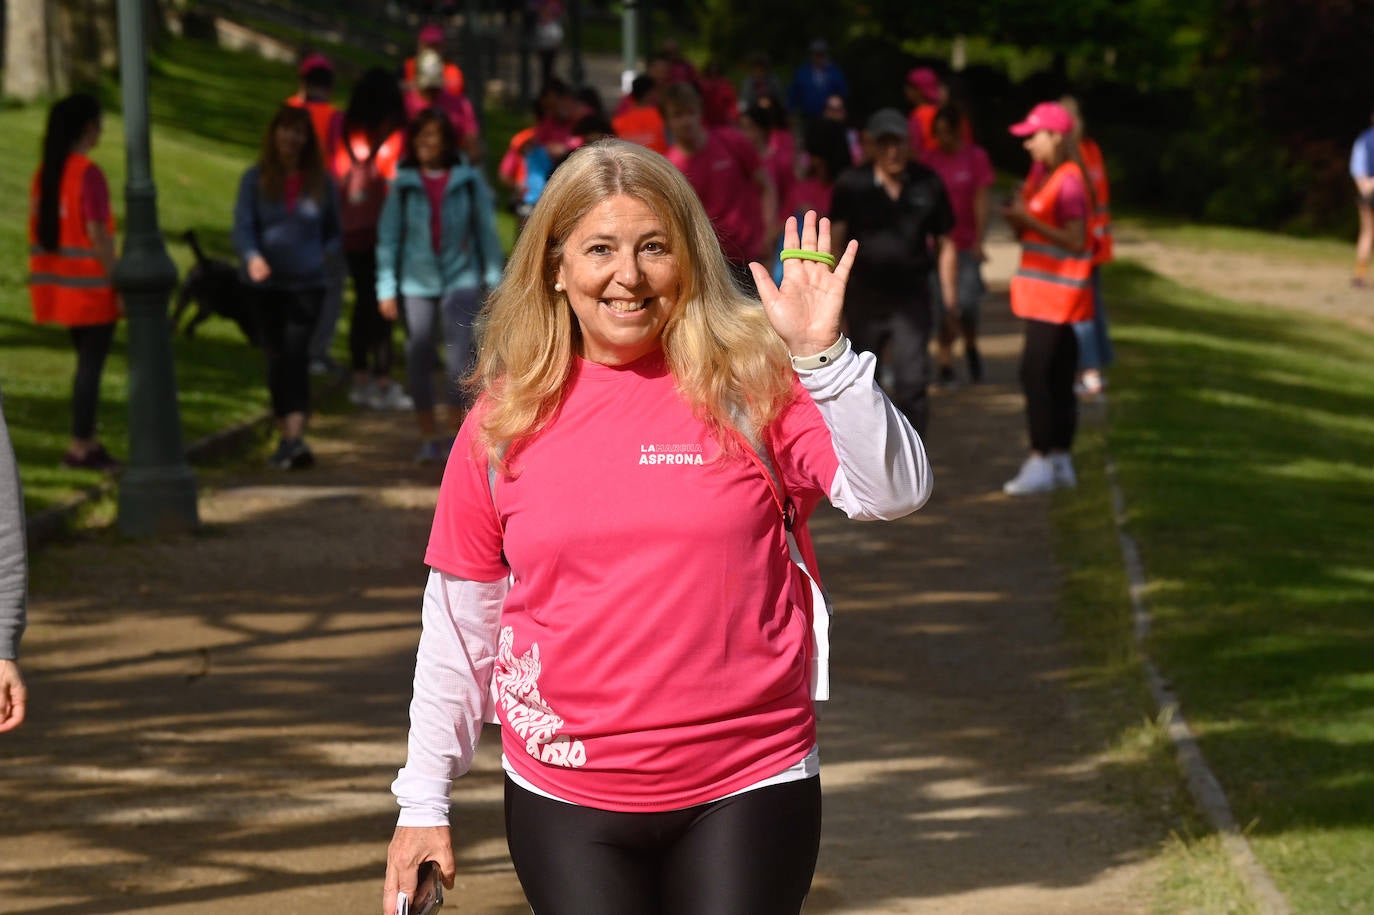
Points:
x=806 y=308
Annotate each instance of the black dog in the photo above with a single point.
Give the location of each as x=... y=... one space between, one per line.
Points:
x=214 y=285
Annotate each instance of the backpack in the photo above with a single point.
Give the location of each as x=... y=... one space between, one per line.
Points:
x=362 y=191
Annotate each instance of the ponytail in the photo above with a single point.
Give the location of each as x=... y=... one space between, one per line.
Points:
x=67 y=124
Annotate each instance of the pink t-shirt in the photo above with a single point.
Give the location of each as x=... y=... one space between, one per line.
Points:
x=291 y=187
x=964 y=173
x=95 y=196
x=808 y=194
x=654 y=650
x=1072 y=202
x=722 y=172
x=435 y=184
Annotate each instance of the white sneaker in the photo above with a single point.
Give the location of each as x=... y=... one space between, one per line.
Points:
x=1064 y=476
x=360 y=395
x=390 y=397
x=1036 y=475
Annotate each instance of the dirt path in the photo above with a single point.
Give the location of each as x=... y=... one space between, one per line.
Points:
x=216 y=718
x=1281 y=281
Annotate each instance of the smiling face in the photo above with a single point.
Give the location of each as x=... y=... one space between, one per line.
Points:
x=621 y=279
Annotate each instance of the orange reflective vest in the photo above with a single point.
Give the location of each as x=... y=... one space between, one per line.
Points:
x=642 y=124
x=69 y=286
x=327 y=121
x=1101 y=224
x=1052 y=284
x=453 y=76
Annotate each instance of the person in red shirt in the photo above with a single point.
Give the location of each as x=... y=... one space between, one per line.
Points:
x=967 y=174
x=728 y=175
x=611 y=558
x=720 y=105
x=642 y=123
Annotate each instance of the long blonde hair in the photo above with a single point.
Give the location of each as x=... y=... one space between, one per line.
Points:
x=728 y=362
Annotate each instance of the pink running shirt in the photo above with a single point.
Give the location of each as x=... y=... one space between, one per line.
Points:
x=654 y=650
x=963 y=173
x=722 y=173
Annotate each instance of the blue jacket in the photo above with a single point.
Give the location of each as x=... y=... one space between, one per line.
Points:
x=293 y=243
x=811 y=87
x=468 y=236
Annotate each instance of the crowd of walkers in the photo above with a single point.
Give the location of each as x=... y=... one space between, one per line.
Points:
x=387 y=194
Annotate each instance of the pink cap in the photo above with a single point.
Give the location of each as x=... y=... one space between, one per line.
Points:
x=925 y=81
x=431 y=34
x=1045 y=116
x=315 y=61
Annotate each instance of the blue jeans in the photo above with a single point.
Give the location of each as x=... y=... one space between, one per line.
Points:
x=1094 y=345
x=452 y=314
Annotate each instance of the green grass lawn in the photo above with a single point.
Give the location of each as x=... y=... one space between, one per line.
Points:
x=209 y=109
x=1247 y=241
x=1245 y=442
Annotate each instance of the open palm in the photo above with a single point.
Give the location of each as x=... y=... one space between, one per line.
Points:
x=806 y=308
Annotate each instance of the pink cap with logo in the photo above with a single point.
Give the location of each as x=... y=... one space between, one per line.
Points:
x=1045 y=116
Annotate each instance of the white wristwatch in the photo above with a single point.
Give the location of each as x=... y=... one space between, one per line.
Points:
x=825 y=357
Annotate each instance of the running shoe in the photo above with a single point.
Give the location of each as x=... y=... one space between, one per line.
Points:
x=360 y=395
x=1064 y=476
x=947 y=379
x=95 y=459
x=390 y=397
x=1036 y=475
x=975 y=364
x=292 y=454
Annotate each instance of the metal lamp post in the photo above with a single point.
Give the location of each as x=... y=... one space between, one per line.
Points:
x=157 y=492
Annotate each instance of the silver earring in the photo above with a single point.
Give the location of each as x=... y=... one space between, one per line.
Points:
x=557 y=287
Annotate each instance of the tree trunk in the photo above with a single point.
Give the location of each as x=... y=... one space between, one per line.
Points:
x=28 y=74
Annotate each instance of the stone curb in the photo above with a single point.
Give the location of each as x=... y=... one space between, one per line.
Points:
x=1202 y=781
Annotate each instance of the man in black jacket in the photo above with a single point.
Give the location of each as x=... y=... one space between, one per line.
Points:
x=901 y=215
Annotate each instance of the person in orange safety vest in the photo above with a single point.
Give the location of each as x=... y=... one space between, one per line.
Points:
x=431 y=38
x=1052 y=289
x=71 y=262
x=1094 y=341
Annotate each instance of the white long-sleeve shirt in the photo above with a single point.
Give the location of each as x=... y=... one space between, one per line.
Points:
x=883 y=474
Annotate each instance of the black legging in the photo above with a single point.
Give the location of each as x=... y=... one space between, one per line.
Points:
x=369 y=334
x=1049 y=363
x=287 y=318
x=92 y=342
x=751 y=854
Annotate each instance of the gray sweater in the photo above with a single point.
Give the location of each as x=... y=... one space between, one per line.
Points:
x=13 y=559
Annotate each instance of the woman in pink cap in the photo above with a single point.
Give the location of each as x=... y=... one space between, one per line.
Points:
x=1052 y=289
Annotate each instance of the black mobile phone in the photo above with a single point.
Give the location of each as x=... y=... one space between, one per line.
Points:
x=428 y=897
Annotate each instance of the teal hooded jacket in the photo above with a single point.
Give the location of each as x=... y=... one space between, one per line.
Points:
x=469 y=254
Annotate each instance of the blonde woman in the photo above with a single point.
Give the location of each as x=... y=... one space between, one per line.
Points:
x=611 y=570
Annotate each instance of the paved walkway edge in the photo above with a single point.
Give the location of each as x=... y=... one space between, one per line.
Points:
x=1202 y=781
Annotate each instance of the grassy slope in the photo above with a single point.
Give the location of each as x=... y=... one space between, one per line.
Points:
x=1244 y=436
x=209 y=108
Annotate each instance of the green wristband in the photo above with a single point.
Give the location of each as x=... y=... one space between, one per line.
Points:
x=802 y=254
